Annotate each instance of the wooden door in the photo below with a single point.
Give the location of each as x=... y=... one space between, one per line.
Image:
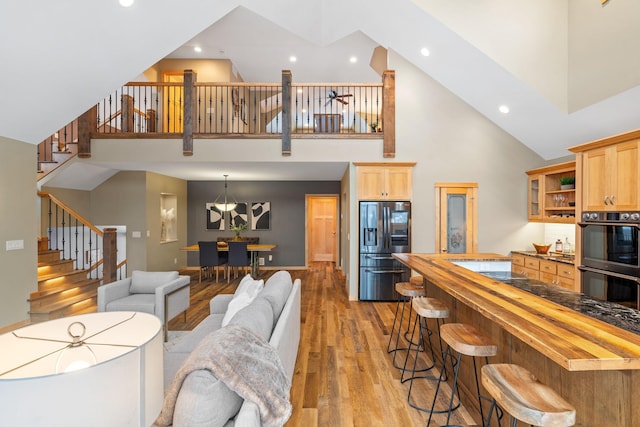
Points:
x=625 y=192
x=322 y=227
x=399 y=183
x=173 y=101
x=596 y=183
x=456 y=217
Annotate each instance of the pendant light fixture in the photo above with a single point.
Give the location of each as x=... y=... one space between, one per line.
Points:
x=226 y=206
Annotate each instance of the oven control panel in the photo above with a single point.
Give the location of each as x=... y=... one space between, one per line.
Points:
x=611 y=217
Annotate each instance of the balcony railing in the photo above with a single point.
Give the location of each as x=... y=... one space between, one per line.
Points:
x=242 y=109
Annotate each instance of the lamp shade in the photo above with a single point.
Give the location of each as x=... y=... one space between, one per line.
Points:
x=121 y=386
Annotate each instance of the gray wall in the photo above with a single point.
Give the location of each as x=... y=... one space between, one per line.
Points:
x=287 y=214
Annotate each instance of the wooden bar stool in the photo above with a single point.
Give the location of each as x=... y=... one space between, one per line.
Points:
x=518 y=392
x=406 y=292
x=425 y=308
x=465 y=340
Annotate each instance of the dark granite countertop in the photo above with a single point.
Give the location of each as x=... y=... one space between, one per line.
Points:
x=551 y=256
x=614 y=314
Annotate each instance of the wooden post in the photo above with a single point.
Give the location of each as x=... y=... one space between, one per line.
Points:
x=189 y=111
x=127 y=114
x=152 y=116
x=87 y=124
x=389 y=113
x=286 y=112
x=109 y=255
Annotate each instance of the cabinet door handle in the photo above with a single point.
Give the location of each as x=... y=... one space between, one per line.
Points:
x=606 y=200
x=612 y=198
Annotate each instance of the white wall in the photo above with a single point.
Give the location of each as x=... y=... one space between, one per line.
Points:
x=529 y=38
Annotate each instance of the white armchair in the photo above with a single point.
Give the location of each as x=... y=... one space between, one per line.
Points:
x=162 y=293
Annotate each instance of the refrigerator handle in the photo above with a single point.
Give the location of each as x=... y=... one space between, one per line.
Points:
x=385 y=227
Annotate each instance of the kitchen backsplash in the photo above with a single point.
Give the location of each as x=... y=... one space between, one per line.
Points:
x=553 y=232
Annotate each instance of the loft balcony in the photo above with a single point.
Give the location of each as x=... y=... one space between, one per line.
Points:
x=189 y=109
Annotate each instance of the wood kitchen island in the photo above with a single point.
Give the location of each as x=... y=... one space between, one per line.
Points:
x=590 y=361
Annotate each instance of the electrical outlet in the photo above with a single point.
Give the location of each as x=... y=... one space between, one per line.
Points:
x=175 y=260
x=270 y=258
x=261 y=261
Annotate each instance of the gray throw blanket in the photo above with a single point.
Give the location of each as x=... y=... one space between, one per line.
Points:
x=247 y=364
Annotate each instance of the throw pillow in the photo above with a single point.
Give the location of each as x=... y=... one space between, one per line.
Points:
x=257 y=318
x=244 y=284
x=205 y=401
x=146 y=282
x=242 y=300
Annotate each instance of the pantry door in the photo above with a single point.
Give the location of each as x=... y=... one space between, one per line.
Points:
x=457 y=217
x=322 y=228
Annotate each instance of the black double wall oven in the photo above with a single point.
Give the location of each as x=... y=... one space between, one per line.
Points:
x=609 y=263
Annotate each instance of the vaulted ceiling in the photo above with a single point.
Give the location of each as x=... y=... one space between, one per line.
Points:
x=60 y=57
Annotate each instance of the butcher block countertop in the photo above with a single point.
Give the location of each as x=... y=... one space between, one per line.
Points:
x=575 y=341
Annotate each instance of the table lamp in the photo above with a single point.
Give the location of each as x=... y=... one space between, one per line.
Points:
x=99 y=369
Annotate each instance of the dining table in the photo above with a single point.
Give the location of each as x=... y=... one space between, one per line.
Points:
x=253 y=248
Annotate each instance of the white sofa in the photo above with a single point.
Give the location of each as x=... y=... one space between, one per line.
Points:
x=274 y=314
x=162 y=293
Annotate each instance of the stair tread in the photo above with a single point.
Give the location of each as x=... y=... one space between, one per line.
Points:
x=60 y=305
x=44 y=277
x=73 y=285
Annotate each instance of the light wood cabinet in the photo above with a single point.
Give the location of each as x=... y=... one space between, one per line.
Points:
x=548 y=271
x=385 y=181
x=547 y=200
x=610 y=177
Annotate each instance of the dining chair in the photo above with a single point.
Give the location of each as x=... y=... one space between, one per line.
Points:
x=211 y=257
x=238 y=257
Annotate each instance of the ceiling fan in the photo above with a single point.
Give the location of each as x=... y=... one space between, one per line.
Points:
x=333 y=95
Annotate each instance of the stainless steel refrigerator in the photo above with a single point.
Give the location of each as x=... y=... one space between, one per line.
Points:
x=385 y=228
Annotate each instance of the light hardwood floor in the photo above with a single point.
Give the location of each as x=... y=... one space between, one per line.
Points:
x=343 y=374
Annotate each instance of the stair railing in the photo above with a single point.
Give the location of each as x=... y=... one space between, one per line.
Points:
x=79 y=240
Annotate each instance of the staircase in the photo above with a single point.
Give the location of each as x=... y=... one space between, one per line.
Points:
x=62 y=290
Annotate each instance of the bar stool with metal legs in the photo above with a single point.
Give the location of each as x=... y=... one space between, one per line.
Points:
x=425 y=308
x=468 y=341
x=518 y=392
x=406 y=291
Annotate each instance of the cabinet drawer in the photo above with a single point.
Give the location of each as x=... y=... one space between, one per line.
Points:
x=548 y=267
x=566 y=271
x=531 y=273
x=532 y=263
x=549 y=278
x=517 y=260
x=566 y=283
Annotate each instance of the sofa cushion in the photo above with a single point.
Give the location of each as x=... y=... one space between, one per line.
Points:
x=243 y=299
x=276 y=291
x=205 y=401
x=189 y=341
x=145 y=303
x=256 y=317
x=146 y=282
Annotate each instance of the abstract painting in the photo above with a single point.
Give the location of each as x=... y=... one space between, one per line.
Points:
x=260 y=215
x=239 y=214
x=215 y=217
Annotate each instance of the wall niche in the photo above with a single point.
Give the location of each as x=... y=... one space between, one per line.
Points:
x=168 y=218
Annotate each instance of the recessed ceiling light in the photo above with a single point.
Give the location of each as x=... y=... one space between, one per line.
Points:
x=353 y=59
x=197 y=49
x=425 y=52
x=292 y=59
x=504 y=109
x=126 y=3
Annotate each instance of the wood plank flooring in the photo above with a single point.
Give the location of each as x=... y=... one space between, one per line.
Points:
x=343 y=374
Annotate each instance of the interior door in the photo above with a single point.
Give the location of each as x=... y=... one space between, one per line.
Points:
x=322 y=227
x=174 y=101
x=456 y=218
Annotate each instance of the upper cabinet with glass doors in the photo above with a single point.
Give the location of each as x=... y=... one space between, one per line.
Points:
x=552 y=194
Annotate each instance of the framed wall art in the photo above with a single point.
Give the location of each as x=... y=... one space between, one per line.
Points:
x=260 y=215
x=215 y=217
x=238 y=215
